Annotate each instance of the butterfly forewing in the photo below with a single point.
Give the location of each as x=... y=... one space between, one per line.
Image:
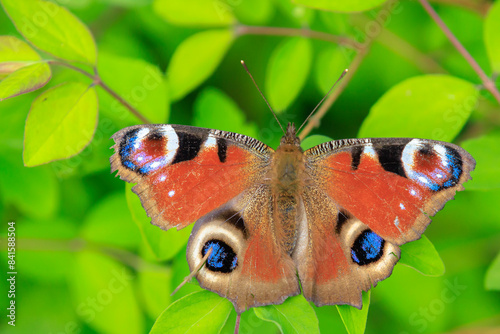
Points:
x=184 y=172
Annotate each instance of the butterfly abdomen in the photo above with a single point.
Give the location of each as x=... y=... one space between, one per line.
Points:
x=287 y=176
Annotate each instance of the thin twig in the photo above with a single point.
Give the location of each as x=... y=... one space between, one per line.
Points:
x=237 y=325
x=486 y=80
x=479 y=7
x=279 y=31
x=97 y=81
x=316 y=118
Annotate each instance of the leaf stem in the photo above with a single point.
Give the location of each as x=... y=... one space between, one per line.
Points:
x=280 y=31
x=98 y=81
x=487 y=82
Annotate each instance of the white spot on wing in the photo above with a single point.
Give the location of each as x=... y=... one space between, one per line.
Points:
x=413 y=192
x=401 y=205
x=171 y=193
x=211 y=141
x=163 y=178
x=369 y=150
x=140 y=135
x=172 y=142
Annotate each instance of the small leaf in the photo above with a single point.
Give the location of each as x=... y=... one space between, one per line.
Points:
x=53 y=29
x=195 y=13
x=287 y=71
x=103 y=292
x=60 y=124
x=341 y=6
x=295 y=315
x=314 y=140
x=199 y=312
x=24 y=80
x=490 y=34
x=215 y=110
x=109 y=223
x=492 y=280
x=163 y=244
x=15 y=54
x=422 y=256
x=254 y=12
x=486 y=151
x=428 y=106
x=139 y=83
x=195 y=59
x=155 y=286
x=354 y=319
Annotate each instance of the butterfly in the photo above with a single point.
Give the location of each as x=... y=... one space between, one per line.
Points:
x=269 y=223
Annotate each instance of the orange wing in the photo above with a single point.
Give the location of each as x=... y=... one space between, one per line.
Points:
x=184 y=172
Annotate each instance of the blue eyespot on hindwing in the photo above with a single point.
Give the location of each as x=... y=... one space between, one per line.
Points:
x=222 y=259
x=367 y=248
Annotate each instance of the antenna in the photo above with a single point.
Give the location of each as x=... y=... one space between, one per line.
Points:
x=312 y=112
x=274 y=114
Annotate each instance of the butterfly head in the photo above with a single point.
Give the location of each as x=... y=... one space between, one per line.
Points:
x=290 y=137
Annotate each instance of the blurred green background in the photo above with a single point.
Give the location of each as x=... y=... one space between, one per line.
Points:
x=87 y=260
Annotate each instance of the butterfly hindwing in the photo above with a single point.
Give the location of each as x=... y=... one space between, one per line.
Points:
x=248 y=264
x=184 y=172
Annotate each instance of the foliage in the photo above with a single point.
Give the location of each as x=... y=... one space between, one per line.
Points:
x=72 y=76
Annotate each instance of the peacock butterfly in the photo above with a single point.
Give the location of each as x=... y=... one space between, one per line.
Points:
x=332 y=217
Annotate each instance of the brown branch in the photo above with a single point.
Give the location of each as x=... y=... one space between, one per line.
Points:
x=316 y=118
x=486 y=80
x=97 y=81
x=279 y=31
x=479 y=7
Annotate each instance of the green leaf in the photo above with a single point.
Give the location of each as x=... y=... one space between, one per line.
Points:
x=60 y=124
x=422 y=256
x=314 y=140
x=486 y=151
x=33 y=262
x=34 y=191
x=490 y=35
x=195 y=13
x=331 y=62
x=295 y=315
x=139 y=83
x=215 y=110
x=341 y=6
x=15 y=54
x=24 y=80
x=195 y=59
x=53 y=29
x=492 y=280
x=428 y=106
x=196 y=313
x=354 y=319
x=109 y=223
x=128 y=3
x=103 y=292
x=287 y=71
x=163 y=244
x=155 y=287
x=254 y=12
